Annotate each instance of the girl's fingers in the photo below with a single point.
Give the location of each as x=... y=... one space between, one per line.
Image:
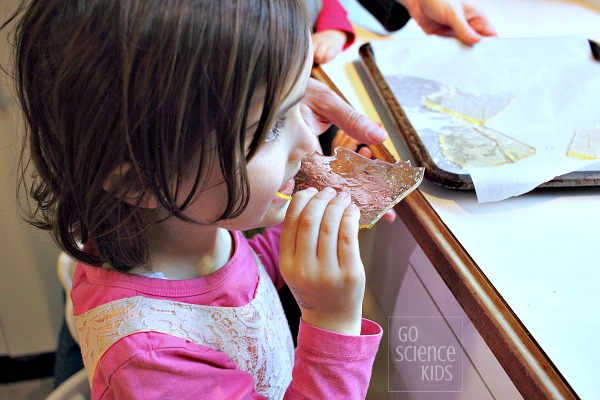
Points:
x=289 y=230
x=348 y=250
x=310 y=222
x=327 y=249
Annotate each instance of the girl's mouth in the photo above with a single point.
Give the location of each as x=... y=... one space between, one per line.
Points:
x=285 y=191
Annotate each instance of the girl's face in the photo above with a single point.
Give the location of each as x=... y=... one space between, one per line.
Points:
x=270 y=170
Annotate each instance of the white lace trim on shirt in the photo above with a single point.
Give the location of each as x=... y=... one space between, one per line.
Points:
x=256 y=336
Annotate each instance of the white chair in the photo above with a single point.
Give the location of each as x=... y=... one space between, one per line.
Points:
x=65 y=268
x=77 y=386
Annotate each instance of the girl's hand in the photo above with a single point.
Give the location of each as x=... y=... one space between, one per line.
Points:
x=320 y=259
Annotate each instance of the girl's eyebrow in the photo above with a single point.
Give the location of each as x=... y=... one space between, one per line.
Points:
x=283 y=110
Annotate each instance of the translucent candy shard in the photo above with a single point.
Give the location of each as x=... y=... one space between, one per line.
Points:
x=585 y=144
x=375 y=186
x=471 y=108
x=478 y=146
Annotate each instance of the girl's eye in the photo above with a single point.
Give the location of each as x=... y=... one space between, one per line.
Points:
x=275 y=131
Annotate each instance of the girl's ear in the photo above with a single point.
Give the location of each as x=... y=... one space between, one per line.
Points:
x=135 y=194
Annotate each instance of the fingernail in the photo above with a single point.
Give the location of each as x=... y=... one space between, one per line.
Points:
x=376 y=133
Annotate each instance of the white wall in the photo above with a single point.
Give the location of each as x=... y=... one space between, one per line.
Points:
x=30 y=293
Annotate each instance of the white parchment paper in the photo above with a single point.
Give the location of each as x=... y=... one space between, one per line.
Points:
x=555 y=87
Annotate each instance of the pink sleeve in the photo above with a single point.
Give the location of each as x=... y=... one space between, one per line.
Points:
x=334 y=16
x=329 y=365
x=151 y=365
x=266 y=245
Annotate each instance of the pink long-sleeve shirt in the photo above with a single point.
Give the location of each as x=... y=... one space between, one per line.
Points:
x=334 y=16
x=148 y=365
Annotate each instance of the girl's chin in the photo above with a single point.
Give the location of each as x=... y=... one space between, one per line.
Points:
x=274 y=216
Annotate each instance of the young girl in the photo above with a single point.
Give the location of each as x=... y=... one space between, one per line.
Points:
x=158 y=130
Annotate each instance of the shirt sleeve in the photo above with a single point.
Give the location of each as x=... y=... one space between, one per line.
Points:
x=334 y=16
x=329 y=365
x=152 y=365
x=391 y=14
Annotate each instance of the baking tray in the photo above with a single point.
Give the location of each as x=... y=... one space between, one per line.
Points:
x=421 y=155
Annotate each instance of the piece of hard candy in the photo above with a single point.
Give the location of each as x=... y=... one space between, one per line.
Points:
x=375 y=186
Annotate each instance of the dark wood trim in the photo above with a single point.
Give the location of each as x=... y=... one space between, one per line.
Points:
x=524 y=361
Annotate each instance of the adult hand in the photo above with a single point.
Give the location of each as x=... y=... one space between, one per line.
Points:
x=450 y=18
x=320 y=259
x=322 y=107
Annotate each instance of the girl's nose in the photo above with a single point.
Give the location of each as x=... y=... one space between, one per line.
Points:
x=306 y=143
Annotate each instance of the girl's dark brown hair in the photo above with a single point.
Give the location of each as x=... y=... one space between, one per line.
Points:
x=163 y=86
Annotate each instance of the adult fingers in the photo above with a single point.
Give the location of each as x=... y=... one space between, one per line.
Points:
x=483 y=27
x=470 y=24
x=331 y=107
x=463 y=31
x=479 y=21
x=389 y=216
